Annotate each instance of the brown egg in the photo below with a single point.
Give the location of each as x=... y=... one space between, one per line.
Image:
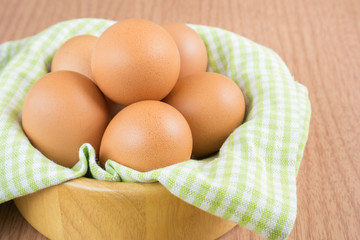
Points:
x=135 y=60
x=213 y=105
x=75 y=55
x=147 y=135
x=193 y=55
x=62 y=111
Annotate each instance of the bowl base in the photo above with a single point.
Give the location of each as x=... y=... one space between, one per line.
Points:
x=92 y=209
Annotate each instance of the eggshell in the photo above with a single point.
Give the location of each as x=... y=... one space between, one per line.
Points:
x=75 y=55
x=63 y=110
x=213 y=105
x=147 y=135
x=193 y=55
x=135 y=60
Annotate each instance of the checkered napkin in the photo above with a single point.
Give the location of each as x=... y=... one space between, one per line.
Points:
x=251 y=181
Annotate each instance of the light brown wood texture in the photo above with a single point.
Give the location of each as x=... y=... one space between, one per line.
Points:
x=319 y=41
x=91 y=209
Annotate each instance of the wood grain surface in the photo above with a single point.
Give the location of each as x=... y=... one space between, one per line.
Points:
x=136 y=211
x=319 y=41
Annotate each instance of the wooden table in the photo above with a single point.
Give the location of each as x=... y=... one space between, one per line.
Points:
x=319 y=41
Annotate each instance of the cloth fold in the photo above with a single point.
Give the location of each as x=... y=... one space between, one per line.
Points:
x=251 y=181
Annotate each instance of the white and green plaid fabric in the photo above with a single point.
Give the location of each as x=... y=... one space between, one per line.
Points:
x=251 y=181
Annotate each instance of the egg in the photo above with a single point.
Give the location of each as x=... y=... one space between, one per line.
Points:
x=147 y=135
x=193 y=55
x=135 y=60
x=61 y=111
x=75 y=55
x=213 y=105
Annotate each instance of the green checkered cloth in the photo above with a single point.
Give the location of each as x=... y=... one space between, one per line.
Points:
x=251 y=181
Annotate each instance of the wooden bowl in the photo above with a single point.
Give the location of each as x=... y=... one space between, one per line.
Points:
x=92 y=209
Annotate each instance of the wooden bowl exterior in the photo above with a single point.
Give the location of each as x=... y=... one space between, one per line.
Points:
x=91 y=209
